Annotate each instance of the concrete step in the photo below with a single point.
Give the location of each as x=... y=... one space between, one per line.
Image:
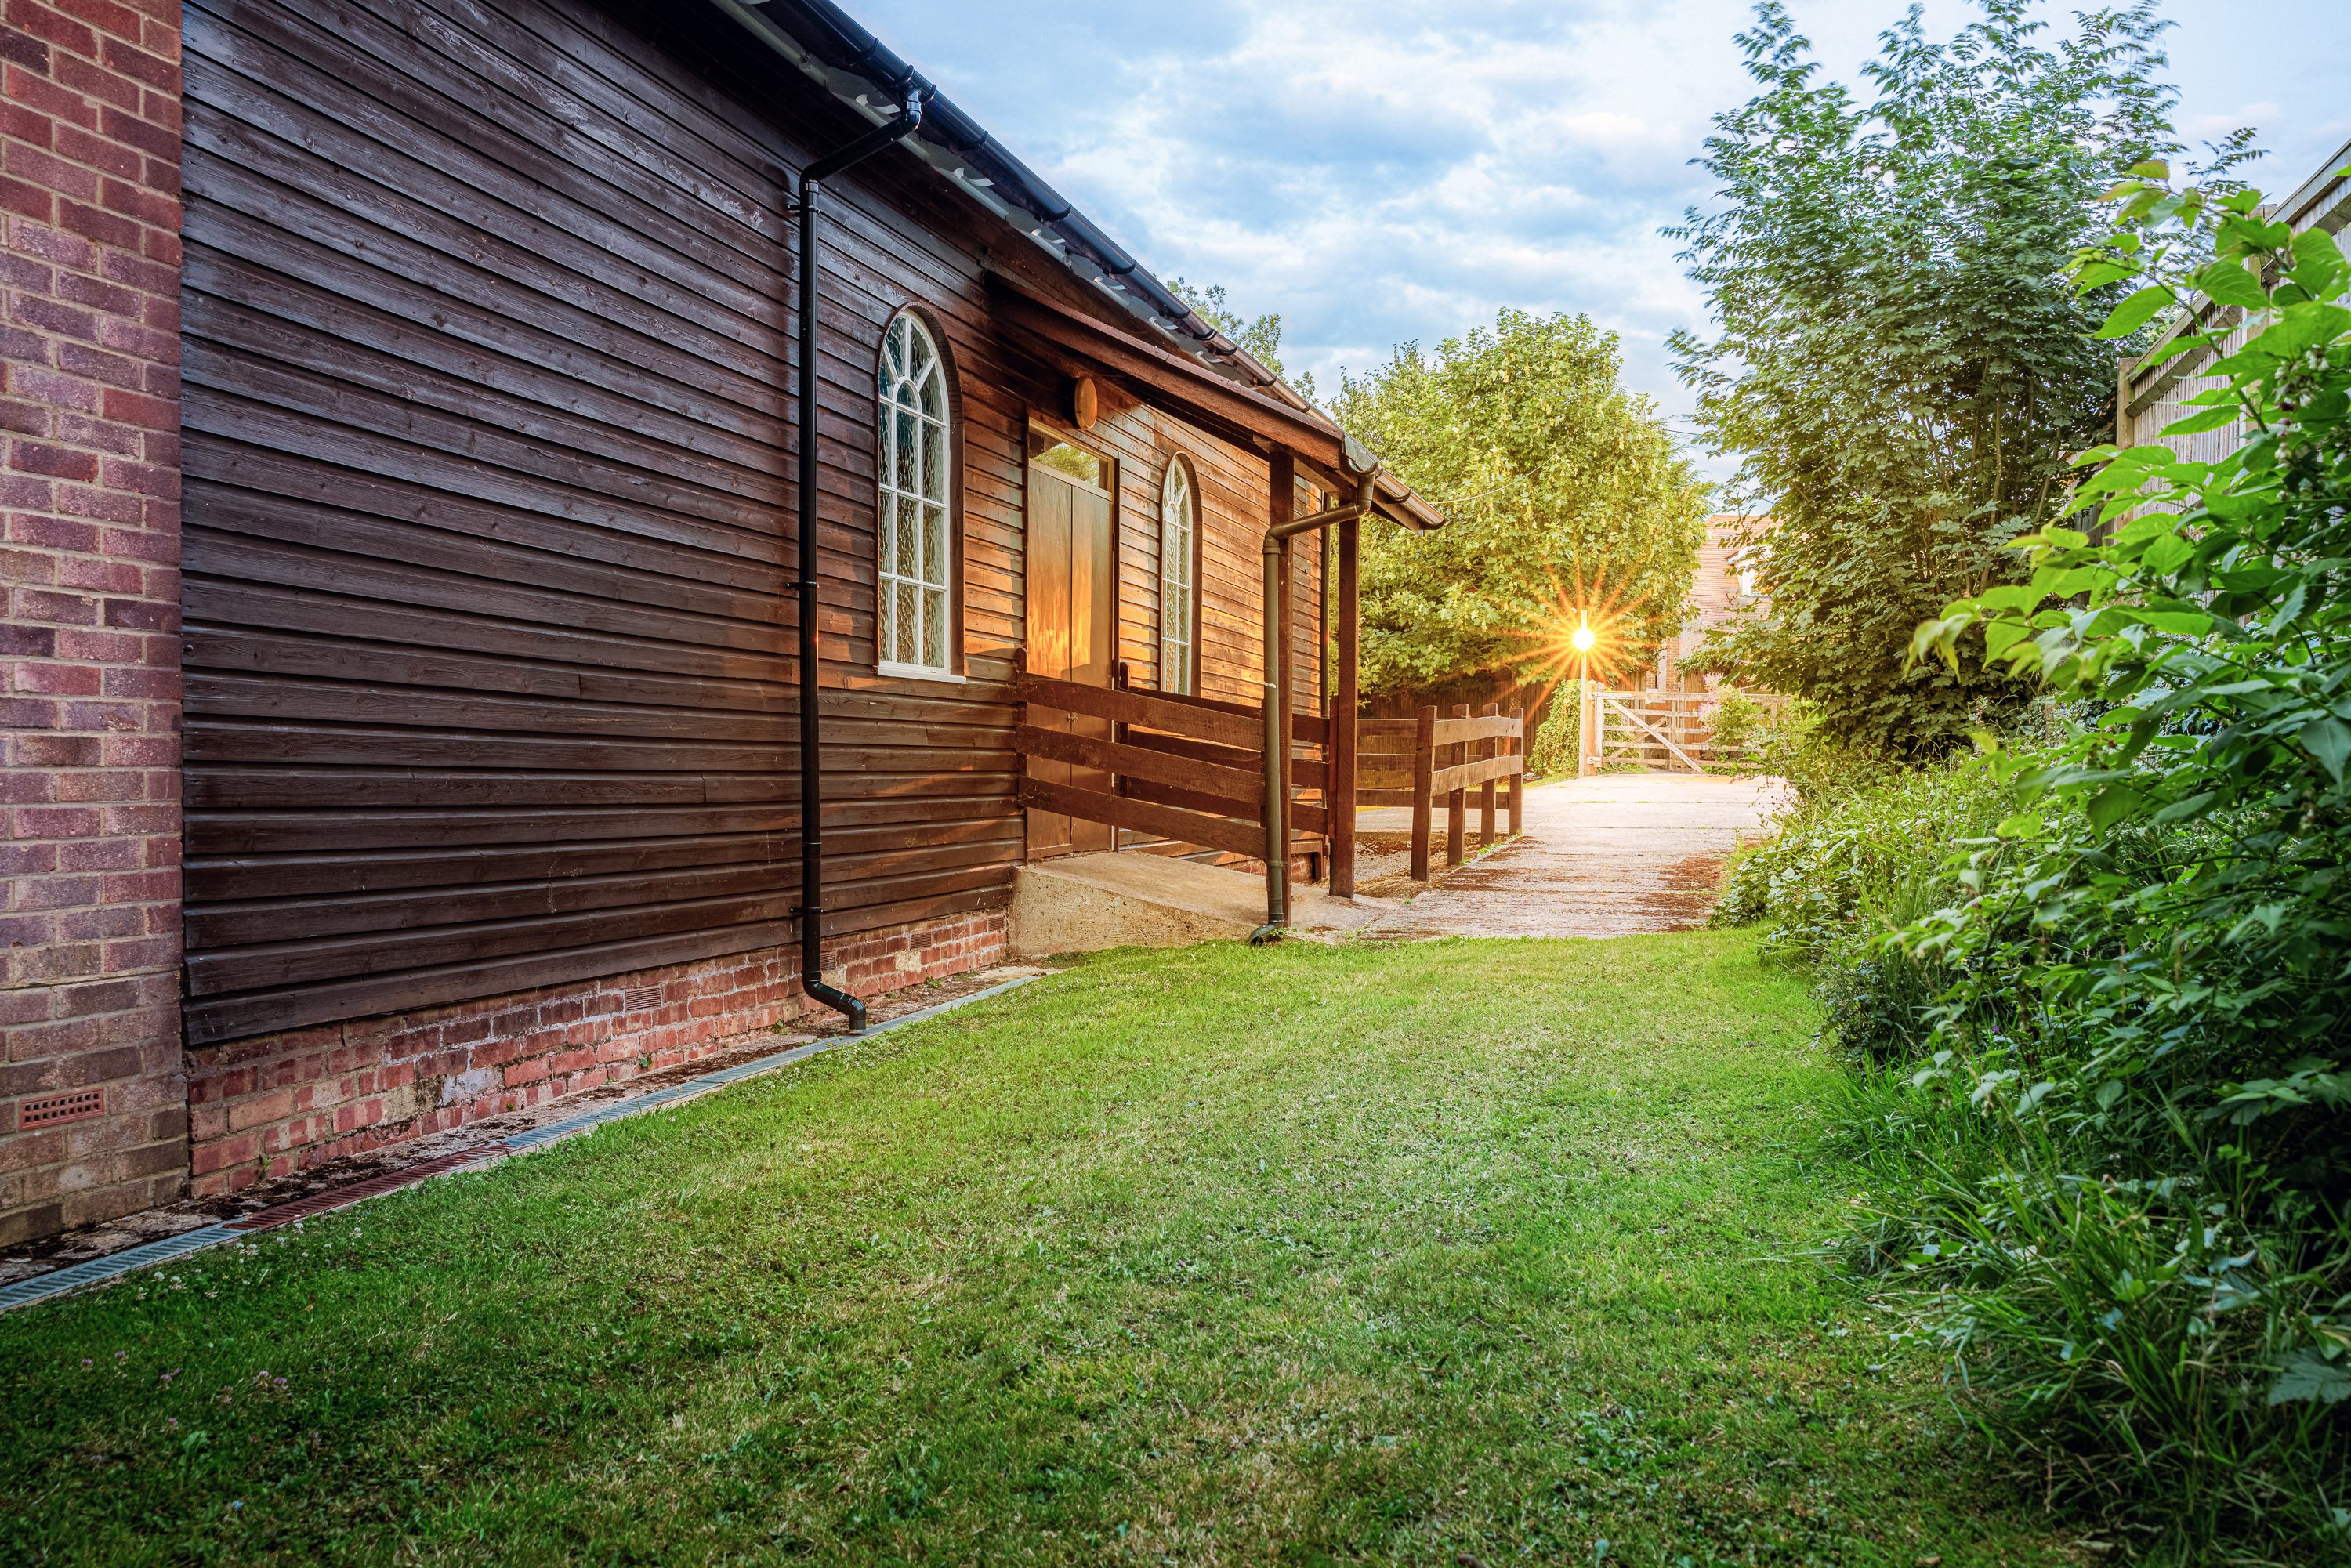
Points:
x=1084 y=904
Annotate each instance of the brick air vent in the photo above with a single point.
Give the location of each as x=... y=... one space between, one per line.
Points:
x=78 y=1106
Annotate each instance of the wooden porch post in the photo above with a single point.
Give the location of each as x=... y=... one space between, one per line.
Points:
x=1345 y=699
x=1280 y=506
x=1490 y=748
x=1519 y=779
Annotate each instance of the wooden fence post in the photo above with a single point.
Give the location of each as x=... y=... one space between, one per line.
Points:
x=1519 y=779
x=1457 y=802
x=1424 y=763
x=1490 y=748
x=1345 y=699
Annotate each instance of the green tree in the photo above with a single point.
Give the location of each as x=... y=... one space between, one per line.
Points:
x=1903 y=368
x=1562 y=493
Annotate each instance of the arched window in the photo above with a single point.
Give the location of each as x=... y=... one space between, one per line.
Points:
x=1178 y=577
x=911 y=619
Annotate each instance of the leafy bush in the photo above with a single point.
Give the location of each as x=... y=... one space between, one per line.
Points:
x=2118 y=1155
x=1737 y=726
x=1551 y=750
x=1862 y=851
x=1814 y=766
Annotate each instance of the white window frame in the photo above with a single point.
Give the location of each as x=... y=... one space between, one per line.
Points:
x=1176 y=631
x=914 y=522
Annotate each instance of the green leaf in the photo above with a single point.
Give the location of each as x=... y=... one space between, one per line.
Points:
x=2024 y=825
x=2168 y=554
x=2000 y=635
x=2228 y=282
x=2329 y=740
x=2152 y=169
x=2291 y=610
x=2196 y=424
x=2180 y=623
x=2179 y=810
x=2133 y=313
x=2311 y=1374
x=2114 y=803
x=2318 y=260
x=2308 y=324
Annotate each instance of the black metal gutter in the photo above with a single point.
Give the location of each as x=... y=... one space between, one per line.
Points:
x=811 y=910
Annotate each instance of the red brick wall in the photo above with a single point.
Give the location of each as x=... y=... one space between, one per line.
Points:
x=90 y=658
x=280 y=1103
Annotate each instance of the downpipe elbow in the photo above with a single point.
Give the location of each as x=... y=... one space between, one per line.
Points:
x=839 y=1000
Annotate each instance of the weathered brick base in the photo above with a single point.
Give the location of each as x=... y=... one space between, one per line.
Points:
x=119 y=1037
x=89 y=611
x=279 y=1102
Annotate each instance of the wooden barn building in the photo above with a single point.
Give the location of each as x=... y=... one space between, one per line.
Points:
x=409 y=556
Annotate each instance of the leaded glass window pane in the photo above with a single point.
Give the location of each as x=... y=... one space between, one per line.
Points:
x=1177 y=527
x=912 y=546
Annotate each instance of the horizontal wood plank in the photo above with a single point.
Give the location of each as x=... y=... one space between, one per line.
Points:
x=1145 y=816
x=1137 y=707
x=1134 y=761
x=1461 y=731
x=1469 y=774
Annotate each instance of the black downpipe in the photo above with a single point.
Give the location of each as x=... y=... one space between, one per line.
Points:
x=1276 y=708
x=811 y=910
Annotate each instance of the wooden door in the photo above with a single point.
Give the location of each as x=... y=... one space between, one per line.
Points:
x=1072 y=617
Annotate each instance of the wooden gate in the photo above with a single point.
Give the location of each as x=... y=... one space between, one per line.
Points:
x=1668 y=730
x=1657 y=730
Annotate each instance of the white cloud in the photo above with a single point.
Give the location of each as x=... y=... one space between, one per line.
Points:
x=1393 y=170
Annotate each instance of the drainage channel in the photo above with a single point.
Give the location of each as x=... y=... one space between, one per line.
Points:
x=171 y=1248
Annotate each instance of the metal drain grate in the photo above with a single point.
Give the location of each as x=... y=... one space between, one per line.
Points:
x=360 y=1191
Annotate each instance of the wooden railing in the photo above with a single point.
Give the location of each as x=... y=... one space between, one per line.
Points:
x=1187 y=769
x=1413 y=761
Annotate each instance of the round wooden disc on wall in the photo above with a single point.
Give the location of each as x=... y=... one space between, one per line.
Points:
x=1085 y=405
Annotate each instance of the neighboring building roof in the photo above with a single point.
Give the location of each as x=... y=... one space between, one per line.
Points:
x=2153 y=390
x=1719 y=587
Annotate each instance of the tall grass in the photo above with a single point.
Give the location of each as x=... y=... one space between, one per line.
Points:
x=2108 y=1212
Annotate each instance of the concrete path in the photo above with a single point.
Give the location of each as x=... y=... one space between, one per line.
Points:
x=1607 y=857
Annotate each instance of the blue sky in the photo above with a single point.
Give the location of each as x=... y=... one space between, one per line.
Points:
x=1385 y=169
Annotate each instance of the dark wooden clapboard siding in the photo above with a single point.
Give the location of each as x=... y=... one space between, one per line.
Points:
x=487 y=519
x=488 y=345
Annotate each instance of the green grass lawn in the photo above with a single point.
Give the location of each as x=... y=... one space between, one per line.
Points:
x=1448 y=1253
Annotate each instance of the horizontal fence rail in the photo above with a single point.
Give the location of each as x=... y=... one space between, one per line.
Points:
x=1414 y=761
x=1187 y=770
